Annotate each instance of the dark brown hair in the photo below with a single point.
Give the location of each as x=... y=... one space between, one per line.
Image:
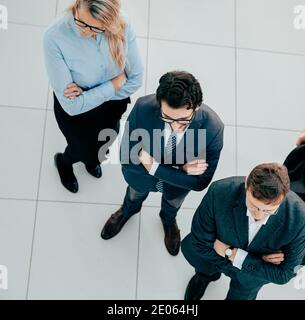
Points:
x=179 y=88
x=268 y=182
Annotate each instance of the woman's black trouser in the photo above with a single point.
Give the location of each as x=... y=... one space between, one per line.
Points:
x=82 y=131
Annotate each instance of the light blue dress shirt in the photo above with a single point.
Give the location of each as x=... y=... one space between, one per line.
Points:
x=69 y=57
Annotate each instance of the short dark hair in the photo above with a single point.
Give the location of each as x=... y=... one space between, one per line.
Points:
x=179 y=88
x=268 y=182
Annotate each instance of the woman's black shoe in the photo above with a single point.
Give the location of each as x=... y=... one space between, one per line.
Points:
x=96 y=171
x=66 y=174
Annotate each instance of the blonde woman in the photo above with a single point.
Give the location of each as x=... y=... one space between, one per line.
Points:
x=94 y=65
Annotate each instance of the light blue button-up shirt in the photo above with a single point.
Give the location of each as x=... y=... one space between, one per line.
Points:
x=69 y=57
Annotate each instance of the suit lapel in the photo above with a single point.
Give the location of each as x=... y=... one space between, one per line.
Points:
x=240 y=218
x=182 y=147
x=187 y=148
x=157 y=141
x=266 y=231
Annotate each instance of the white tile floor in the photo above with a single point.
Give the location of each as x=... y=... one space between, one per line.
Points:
x=251 y=63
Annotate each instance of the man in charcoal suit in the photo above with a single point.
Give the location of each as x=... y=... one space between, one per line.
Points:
x=251 y=229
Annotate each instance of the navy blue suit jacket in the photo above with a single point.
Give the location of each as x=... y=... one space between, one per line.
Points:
x=146 y=115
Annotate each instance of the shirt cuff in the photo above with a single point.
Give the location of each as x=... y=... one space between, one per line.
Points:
x=153 y=168
x=239 y=259
x=110 y=89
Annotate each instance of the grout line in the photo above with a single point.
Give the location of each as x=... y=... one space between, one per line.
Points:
x=192 y=42
x=28 y=24
x=272 y=51
x=24 y=108
x=146 y=86
x=147 y=47
x=125 y=118
x=142 y=37
x=267 y=128
x=236 y=85
x=101 y=203
x=138 y=256
x=38 y=189
x=56 y=8
x=83 y=203
x=17 y=199
x=228 y=47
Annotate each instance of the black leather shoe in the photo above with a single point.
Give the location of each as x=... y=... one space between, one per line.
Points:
x=66 y=175
x=96 y=171
x=195 y=288
x=172 y=238
x=114 y=225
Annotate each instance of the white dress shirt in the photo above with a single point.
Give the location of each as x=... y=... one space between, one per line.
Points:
x=254 y=227
x=167 y=132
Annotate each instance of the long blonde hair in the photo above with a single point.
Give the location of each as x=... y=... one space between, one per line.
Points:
x=108 y=12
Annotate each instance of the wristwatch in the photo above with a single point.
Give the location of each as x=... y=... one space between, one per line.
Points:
x=229 y=252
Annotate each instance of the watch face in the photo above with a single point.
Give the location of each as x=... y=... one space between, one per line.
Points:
x=228 y=252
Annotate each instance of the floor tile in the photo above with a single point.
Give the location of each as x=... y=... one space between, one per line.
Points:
x=21 y=133
x=265 y=146
x=270 y=90
x=25 y=82
x=71 y=261
x=21 y=11
x=269 y=25
x=194 y=21
x=16 y=232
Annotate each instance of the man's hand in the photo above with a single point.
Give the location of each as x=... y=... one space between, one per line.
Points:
x=119 y=81
x=301 y=138
x=195 y=167
x=274 y=258
x=221 y=247
x=146 y=159
x=72 y=91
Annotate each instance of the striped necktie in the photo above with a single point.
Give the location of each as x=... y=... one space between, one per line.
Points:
x=170 y=146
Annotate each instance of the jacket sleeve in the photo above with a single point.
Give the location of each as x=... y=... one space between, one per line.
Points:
x=128 y=155
x=204 y=234
x=179 y=178
x=278 y=274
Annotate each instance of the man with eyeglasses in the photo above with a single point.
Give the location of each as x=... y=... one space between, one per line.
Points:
x=182 y=159
x=251 y=229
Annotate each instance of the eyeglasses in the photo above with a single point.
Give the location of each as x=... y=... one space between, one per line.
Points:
x=181 y=121
x=267 y=212
x=82 y=24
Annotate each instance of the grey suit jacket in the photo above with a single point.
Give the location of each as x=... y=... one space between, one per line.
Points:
x=222 y=215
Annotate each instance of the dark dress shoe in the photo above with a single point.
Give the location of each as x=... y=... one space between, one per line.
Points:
x=114 y=225
x=196 y=288
x=66 y=175
x=96 y=171
x=172 y=238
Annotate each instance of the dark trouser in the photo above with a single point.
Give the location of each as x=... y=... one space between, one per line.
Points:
x=243 y=289
x=82 y=131
x=169 y=206
x=243 y=286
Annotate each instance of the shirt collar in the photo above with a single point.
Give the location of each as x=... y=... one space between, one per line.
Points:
x=71 y=23
x=260 y=222
x=169 y=128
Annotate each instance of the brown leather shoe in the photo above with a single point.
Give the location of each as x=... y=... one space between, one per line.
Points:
x=172 y=238
x=114 y=225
